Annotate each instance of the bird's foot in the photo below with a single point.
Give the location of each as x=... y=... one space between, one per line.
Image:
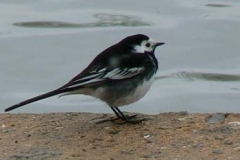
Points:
x=123 y=120
x=131 y=119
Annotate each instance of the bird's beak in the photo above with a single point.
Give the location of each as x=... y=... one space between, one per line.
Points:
x=159 y=44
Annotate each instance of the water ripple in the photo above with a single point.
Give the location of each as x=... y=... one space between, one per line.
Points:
x=202 y=76
x=218 y=5
x=104 y=20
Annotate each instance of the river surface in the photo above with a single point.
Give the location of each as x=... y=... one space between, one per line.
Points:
x=43 y=44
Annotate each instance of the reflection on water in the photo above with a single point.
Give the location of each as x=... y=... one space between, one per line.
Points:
x=104 y=20
x=202 y=76
x=218 y=5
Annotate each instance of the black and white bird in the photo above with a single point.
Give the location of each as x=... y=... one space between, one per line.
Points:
x=120 y=75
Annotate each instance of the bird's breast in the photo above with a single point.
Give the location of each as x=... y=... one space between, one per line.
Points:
x=140 y=90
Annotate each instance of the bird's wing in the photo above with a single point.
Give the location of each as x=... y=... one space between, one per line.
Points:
x=119 y=74
x=103 y=75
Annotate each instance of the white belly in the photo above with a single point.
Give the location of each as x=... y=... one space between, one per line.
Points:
x=120 y=100
x=137 y=94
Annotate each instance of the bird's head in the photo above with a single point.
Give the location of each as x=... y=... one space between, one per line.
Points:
x=139 y=43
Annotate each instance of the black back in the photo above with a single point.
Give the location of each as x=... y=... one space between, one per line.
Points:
x=123 y=51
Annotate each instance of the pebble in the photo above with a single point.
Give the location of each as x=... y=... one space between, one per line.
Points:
x=146 y=136
x=227 y=142
x=234 y=125
x=237 y=148
x=147 y=156
x=183 y=119
x=183 y=113
x=150 y=141
x=106 y=128
x=8 y=130
x=218 y=151
x=114 y=132
x=215 y=118
x=35 y=153
x=166 y=127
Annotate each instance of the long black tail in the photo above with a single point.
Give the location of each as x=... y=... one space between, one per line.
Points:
x=34 y=99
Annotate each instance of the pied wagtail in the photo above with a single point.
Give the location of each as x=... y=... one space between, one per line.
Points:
x=119 y=75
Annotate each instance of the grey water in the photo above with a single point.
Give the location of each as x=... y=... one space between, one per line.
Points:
x=43 y=44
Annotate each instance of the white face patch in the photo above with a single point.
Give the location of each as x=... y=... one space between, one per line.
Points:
x=145 y=46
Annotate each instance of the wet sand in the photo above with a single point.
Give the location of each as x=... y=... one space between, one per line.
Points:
x=77 y=136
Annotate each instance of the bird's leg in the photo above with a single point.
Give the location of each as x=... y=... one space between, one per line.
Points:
x=126 y=118
x=121 y=115
x=116 y=112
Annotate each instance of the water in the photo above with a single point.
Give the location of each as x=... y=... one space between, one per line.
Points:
x=43 y=44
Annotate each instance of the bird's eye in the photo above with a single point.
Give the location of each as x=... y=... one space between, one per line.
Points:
x=148 y=44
